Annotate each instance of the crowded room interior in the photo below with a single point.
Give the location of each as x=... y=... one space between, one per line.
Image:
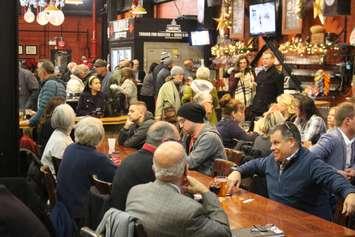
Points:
x=177 y=118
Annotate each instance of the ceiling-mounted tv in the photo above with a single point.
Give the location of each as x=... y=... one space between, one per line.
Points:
x=262 y=17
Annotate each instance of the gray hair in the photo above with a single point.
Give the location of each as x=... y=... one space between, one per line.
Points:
x=160 y=131
x=176 y=160
x=176 y=70
x=71 y=66
x=89 y=131
x=203 y=73
x=288 y=130
x=202 y=97
x=63 y=118
x=47 y=66
x=177 y=170
x=81 y=68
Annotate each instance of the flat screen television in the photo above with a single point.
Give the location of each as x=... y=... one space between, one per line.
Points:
x=199 y=38
x=262 y=17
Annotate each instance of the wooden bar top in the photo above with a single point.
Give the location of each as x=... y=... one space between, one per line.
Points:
x=245 y=209
x=117 y=120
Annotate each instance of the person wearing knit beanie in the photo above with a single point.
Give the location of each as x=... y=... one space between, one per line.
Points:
x=202 y=141
x=165 y=58
x=193 y=112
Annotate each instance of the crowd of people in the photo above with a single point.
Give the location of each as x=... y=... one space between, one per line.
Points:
x=178 y=121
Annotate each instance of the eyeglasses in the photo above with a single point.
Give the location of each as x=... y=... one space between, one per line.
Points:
x=181 y=120
x=289 y=128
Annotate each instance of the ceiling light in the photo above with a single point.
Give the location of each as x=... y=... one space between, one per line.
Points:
x=76 y=2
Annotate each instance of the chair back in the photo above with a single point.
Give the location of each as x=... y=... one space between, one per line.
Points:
x=50 y=185
x=234 y=155
x=103 y=186
x=56 y=164
x=222 y=167
x=25 y=159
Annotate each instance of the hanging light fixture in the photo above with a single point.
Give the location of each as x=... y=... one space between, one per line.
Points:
x=29 y=16
x=55 y=16
x=75 y=2
x=51 y=12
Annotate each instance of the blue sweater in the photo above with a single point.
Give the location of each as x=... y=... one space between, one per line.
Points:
x=303 y=184
x=78 y=165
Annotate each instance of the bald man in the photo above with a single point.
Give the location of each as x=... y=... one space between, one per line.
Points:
x=134 y=132
x=162 y=207
x=189 y=69
x=137 y=167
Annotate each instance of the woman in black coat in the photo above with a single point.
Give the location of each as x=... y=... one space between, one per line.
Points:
x=92 y=100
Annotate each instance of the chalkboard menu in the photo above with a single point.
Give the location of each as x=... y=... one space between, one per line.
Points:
x=291 y=24
x=237 y=31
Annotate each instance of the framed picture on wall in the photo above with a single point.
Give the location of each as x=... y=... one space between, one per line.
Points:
x=291 y=24
x=237 y=30
x=19 y=50
x=31 y=49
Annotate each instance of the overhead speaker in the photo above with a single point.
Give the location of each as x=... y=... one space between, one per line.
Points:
x=337 y=7
x=213 y=3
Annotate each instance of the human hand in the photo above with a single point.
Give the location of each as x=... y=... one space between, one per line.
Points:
x=194 y=186
x=343 y=173
x=349 y=204
x=350 y=173
x=128 y=123
x=234 y=179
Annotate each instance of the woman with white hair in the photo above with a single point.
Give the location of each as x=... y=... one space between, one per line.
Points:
x=80 y=162
x=62 y=121
x=202 y=83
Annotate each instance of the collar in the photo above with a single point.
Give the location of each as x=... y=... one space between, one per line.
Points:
x=347 y=141
x=287 y=160
x=175 y=187
x=149 y=147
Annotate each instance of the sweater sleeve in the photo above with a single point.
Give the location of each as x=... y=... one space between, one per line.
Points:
x=103 y=168
x=256 y=166
x=47 y=92
x=327 y=176
x=205 y=148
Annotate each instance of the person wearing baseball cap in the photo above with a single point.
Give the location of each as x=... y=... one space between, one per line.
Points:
x=202 y=142
x=162 y=71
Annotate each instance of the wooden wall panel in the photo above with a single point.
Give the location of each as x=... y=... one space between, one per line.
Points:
x=78 y=39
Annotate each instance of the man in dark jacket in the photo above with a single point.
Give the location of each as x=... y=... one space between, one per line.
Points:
x=134 y=132
x=137 y=168
x=270 y=84
x=295 y=177
x=28 y=89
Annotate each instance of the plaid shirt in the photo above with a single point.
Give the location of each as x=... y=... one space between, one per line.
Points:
x=312 y=128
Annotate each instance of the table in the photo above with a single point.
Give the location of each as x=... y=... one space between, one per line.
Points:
x=117 y=120
x=123 y=151
x=245 y=209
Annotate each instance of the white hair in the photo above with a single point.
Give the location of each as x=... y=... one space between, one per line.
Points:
x=81 y=68
x=203 y=73
x=177 y=170
x=202 y=97
x=63 y=118
x=71 y=66
x=89 y=131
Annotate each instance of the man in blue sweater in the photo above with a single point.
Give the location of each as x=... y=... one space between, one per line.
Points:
x=295 y=177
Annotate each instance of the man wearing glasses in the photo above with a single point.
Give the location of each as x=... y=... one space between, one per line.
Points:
x=295 y=177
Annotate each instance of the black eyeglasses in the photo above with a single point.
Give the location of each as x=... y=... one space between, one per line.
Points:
x=292 y=131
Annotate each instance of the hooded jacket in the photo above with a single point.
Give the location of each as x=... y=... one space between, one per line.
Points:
x=207 y=147
x=136 y=134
